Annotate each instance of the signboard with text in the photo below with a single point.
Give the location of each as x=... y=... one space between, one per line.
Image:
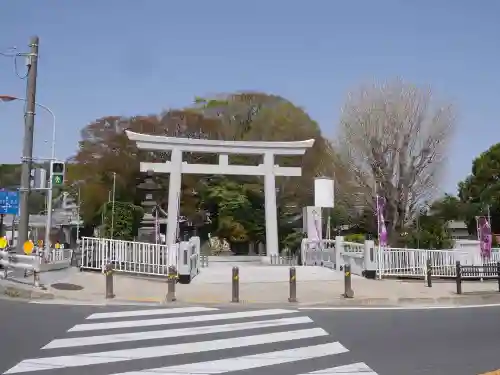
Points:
x=9 y=202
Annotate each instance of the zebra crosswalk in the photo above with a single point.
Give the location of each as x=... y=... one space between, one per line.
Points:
x=193 y=340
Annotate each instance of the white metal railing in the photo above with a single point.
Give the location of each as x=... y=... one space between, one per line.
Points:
x=127 y=256
x=413 y=262
x=353 y=247
x=318 y=252
x=400 y=262
x=59 y=255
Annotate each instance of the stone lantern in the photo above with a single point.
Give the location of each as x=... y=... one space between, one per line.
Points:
x=150 y=191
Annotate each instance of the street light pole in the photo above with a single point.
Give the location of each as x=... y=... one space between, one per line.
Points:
x=48 y=224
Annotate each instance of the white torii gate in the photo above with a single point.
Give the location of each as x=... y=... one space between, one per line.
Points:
x=176 y=167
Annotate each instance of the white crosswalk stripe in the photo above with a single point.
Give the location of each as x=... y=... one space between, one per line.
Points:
x=277 y=336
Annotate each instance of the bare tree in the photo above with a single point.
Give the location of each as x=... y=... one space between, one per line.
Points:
x=393 y=142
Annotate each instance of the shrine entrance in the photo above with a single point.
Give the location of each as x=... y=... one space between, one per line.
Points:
x=176 y=167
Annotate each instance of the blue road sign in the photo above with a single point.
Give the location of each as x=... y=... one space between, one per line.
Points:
x=9 y=202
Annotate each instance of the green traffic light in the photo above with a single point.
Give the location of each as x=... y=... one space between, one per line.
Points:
x=57 y=180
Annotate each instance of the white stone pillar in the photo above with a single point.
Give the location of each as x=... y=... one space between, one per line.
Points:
x=174 y=191
x=272 y=245
x=370 y=259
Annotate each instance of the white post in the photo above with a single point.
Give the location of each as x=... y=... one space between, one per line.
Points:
x=174 y=190
x=78 y=218
x=370 y=258
x=113 y=206
x=303 y=251
x=339 y=251
x=270 y=206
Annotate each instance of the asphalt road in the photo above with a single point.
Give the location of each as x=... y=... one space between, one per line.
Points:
x=70 y=340
x=439 y=341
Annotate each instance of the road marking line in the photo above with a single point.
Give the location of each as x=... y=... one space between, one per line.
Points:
x=70 y=302
x=64 y=302
x=359 y=368
x=178 y=320
x=48 y=363
x=247 y=362
x=125 y=314
x=347 y=308
x=169 y=333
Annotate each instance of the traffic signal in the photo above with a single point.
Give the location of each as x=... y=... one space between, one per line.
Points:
x=57 y=170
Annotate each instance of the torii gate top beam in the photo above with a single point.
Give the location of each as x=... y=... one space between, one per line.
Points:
x=161 y=143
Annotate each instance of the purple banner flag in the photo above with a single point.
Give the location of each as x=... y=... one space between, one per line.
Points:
x=484 y=236
x=382 y=230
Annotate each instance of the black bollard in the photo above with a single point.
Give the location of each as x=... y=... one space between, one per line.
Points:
x=108 y=273
x=172 y=279
x=348 y=292
x=498 y=275
x=429 y=273
x=459 y=277
x=293 y=285
x=236 y=285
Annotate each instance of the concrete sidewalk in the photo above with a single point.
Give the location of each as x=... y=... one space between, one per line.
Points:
x=309 y=292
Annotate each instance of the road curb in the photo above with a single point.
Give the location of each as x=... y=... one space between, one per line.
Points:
x=13 y=290
x=20 y=291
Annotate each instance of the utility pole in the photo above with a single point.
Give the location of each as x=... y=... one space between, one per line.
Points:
x=29 y=123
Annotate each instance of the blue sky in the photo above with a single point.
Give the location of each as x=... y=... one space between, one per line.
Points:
x=125 y=57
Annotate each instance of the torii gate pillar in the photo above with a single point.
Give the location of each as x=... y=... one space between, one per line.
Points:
x=176 y=167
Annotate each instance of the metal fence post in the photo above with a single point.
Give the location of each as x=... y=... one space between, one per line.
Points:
x=459 y=277
x=108 y=272
x=172 y=279
x=236 y=285
x=293 y=285
x=498 y=275
x=429 y=273
x=348 y=292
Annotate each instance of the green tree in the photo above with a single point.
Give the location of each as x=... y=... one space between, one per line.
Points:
x=252 y=116
x=261 y=117
x=355 y=237
x=449 y=208
x=481 y=189
x=104 y=149
x=428 y=232
x=123 y=225
x=340 y=216
x=232 y=217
